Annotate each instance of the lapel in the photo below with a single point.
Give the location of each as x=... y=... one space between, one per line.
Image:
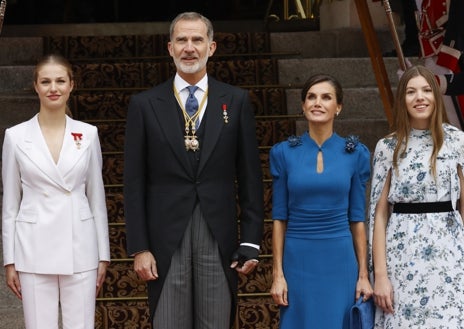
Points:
x=70 y=152
x=33 y=145
x=165 y=107
x=163 y=103
x=214 y=120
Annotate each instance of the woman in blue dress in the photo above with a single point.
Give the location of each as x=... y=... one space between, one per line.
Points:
x=319 y=237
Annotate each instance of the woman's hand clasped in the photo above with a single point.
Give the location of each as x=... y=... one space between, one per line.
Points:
x=364 y=288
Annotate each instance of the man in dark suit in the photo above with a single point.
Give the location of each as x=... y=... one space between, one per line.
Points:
x=182 y=178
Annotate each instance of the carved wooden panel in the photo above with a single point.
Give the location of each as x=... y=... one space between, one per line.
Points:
x=122 y=282
x=144 y=74
x=121 y=74
x=113 y=167
x=268 y=100
x=104 y=48
x=257 y=313
x=245 y=72
x=117 y=235
x=103 y=104
x=111 y=135
x=115 y=206
x=267 y=199
x=271 y=131
x=125 y=314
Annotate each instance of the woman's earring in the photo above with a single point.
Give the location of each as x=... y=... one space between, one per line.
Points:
x=338 y=113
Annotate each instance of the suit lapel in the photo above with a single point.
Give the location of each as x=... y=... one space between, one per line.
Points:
x=70 y=150
x=35 y=148
x=165 y=107
x=214 y=121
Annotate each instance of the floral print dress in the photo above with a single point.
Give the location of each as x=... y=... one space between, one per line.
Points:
x=425 y=252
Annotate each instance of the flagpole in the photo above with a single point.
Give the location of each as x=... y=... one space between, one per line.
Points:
x=396 y=40
x=375 y=54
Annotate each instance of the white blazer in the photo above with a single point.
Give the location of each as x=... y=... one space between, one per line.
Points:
x=54 y=215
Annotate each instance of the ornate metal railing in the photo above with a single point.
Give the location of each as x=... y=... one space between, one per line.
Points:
x=279 y=10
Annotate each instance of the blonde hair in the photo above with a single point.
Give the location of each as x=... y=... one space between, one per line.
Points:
x=55 y=59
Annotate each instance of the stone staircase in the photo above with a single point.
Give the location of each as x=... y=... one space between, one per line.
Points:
x=113 y=65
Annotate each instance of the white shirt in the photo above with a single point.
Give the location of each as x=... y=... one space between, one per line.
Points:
x=181 y=86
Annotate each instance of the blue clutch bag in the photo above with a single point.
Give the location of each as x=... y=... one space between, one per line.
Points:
x=362 y=314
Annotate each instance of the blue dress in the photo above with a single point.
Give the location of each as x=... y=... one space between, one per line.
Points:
x=319 y=260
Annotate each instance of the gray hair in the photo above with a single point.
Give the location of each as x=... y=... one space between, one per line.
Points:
x=192 y=16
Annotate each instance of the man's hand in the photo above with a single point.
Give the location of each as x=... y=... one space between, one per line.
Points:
x=145 y=266
x=244 y=259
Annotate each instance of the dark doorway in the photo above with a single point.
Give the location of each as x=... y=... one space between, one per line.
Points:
x=100 y=11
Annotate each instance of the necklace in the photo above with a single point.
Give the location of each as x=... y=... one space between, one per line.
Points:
x=190 y=138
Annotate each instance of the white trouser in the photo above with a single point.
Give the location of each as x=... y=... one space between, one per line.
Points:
x=43 y=294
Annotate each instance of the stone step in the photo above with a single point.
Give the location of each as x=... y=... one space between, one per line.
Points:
x=20 y=51
x=344 y=42
x=24 y=47
x=16 y=107
x=358 y=103
x=16 y=78
x=351 y=72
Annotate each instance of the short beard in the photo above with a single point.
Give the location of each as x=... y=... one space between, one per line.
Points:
x=190 y=69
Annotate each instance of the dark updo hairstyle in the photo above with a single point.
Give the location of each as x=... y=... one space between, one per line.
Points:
x=321 y=77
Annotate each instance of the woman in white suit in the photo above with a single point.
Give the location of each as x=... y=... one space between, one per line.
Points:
x=55 y=227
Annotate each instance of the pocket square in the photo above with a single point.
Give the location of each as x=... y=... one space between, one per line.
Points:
x=362 y=314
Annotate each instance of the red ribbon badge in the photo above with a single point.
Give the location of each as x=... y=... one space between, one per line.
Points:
x=77 y=139
x=224 y=113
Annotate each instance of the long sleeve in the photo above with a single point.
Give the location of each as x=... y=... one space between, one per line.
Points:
x=11 y=197
x=96 y=195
